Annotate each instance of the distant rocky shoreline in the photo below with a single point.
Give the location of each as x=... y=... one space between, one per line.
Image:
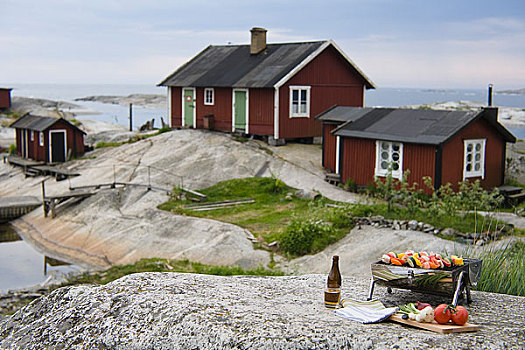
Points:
x=144 y=100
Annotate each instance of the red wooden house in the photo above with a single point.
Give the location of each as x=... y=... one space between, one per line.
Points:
x=5 y=98
x=48 y=139
x=448 y=146
x=272 y=90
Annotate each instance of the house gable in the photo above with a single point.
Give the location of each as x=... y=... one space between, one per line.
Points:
x=332 y=81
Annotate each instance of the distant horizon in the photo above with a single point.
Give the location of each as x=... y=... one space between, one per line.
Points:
x=431 y=88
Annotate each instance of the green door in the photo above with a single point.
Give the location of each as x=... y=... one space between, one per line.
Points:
x=189 y=107
x=240 y=104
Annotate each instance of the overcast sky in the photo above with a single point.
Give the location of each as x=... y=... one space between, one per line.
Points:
x=397 y=43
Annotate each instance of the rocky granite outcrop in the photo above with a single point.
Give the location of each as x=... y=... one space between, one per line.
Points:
x=188 y=311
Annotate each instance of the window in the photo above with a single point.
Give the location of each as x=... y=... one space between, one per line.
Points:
x=389 y=158
x=300 y=101
x=208 y=96
x=31 y=135
x=41 y=138
x=474 y=161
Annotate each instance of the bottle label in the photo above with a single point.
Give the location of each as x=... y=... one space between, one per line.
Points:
x=332 y=296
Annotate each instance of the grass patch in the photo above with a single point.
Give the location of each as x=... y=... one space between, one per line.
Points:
x=503 y=270
x=272 y=213
x=165 y=265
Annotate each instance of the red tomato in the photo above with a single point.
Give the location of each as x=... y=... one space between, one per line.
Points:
x=460 y=316
x=442 y=314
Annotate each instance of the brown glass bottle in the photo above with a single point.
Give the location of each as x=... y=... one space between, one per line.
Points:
x=332 y=294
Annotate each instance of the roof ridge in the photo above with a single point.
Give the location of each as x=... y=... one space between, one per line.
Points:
x=268 y=44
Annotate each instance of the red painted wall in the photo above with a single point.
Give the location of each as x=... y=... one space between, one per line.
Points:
x=5 y=98
x=453 y=153
x=421 y=161
x=221 y=109
x=261 y=111
x=333 y=81
x=176 y=106
x=329 y=147
x=358 y=160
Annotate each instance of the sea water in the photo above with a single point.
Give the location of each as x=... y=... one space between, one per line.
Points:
x=111 y=113
x=22 y=266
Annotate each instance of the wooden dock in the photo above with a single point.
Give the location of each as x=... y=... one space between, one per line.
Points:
x=14 y=207
x=35 y=168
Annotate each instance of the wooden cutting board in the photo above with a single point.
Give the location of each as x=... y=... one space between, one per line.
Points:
x=436 y=327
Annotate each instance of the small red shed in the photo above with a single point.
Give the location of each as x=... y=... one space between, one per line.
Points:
x=48 y=139
x=264 y=89
x=448 y=146
x=5 y=98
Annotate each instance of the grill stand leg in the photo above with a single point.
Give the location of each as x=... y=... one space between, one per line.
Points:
x=467 y=291
x=458 y=288
x=371 y=292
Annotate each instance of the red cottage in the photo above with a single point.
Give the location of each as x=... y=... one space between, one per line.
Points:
x=271 y=90
x=448 y=146
x=5 y=98
x=48 y=139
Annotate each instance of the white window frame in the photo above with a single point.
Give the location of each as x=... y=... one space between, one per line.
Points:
x=473 y=172
x=31 y=135
x=41 y=138
x=299 y=89
x=212 y=92
x=379 y=171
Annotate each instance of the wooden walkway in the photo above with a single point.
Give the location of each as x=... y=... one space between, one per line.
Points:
x=36 y=168
x=14 y=207
x=50 y=202
x=81 y=192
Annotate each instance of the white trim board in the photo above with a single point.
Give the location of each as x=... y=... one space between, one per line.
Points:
x=56 y=131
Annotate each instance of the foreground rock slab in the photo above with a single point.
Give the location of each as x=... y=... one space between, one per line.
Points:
x=188 y=311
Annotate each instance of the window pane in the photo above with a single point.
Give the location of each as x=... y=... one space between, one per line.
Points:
x=385 y=155
x=469 y=167
x=385 y=146
x=469 y=147
x=478 y=147
x=478 y=157
x=295 y=96
x=395 y=156
x=295 y=108
x=395 y=147
x=303 y=107
x=303 y=95
x=469 y=157
x=395 y=166
x=477 y=166
x=384 y=165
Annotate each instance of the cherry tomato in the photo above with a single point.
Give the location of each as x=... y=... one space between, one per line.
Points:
x=442 y=314
x=460 y=316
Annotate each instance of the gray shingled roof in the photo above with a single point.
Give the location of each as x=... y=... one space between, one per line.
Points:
x=234 y=66
x=339 y=114
x=421 y=126
x=37 y=123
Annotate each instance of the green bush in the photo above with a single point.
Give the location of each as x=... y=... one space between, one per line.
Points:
x=307 y=236
x=339 y=217
x=12 y=149
x=350 y=185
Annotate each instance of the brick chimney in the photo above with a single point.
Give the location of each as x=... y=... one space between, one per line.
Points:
x=258 y=40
